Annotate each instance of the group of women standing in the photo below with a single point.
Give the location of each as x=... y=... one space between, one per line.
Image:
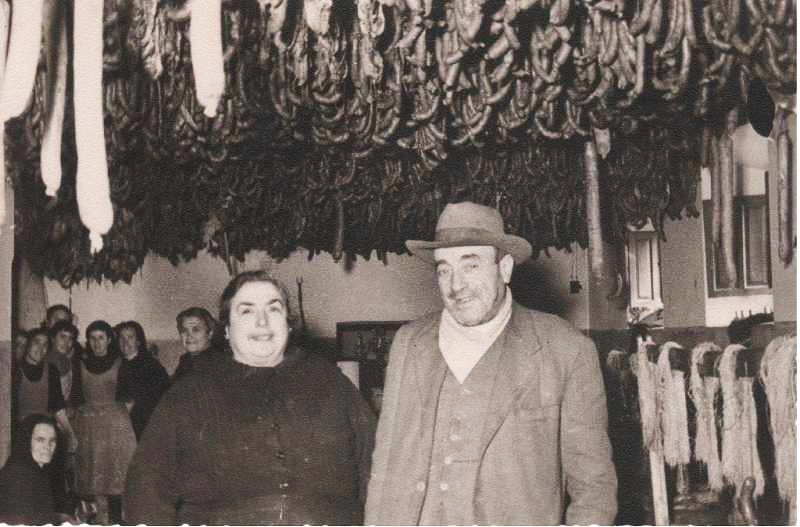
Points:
x=100 y=398
x=255 y=429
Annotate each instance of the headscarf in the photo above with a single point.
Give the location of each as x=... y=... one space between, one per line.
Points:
x=21 y=440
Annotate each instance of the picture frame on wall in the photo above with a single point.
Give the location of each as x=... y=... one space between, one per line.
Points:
x=362 y=349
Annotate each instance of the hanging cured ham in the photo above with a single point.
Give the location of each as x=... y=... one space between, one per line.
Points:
x=94 y=201
x=205 y=35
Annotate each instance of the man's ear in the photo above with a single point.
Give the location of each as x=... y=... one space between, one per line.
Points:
x=506 y=267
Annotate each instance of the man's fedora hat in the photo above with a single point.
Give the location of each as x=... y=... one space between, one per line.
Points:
x=466 y=224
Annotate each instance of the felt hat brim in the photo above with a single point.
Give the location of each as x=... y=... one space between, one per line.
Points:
x=519 y=248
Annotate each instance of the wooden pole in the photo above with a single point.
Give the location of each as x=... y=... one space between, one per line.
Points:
x=658 y=482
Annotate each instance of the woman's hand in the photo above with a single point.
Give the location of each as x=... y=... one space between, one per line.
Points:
x=62 y=518
x=72 y=444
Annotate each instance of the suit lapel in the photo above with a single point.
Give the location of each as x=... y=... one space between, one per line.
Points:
x=516 y=370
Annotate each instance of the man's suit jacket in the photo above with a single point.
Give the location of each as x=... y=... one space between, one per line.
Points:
x=545 y=432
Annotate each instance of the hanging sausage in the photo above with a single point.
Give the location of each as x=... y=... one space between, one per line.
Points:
x=593 y=215
x=784 y=189
x=23 y=55
x=55 y=41
x=205 y=36
x=94 y=201
x=726 y=188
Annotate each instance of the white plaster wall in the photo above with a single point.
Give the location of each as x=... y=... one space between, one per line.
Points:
x=402 y=289
x=369 y=290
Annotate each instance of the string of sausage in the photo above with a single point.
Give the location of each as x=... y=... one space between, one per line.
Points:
x=784 y=193
x=726 y=187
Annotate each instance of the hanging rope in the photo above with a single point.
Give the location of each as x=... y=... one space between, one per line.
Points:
x=739 y=450
x=647 y=378
x=703 y=392
x=778 y=375
x=674 y=419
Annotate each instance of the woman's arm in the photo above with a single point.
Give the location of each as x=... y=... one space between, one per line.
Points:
x=363 y=423
x=66 y=427
x=151 y=487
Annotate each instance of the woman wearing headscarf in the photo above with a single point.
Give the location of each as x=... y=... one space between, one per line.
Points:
x=26 y=496
x=105 y=436
x=142 y=379
x=261 y=432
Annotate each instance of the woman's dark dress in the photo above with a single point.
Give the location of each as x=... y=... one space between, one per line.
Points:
x=234 y=444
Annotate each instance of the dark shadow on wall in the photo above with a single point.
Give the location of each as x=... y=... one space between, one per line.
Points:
x=536 y=287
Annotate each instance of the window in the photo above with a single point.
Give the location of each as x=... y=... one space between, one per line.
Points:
x=751 y=248
x=643 y=274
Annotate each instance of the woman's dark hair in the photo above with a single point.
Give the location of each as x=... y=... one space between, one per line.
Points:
x=32 y=334
x=141 y=340
x=21 y=441
x=243 y=278
x=105 y=327
x=197 y=312
x=63 y=325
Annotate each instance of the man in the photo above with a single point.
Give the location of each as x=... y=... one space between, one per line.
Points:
x=63 y=355
x=491 y=412
x=56 y=313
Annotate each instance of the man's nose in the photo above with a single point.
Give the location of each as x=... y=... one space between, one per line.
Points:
x=457 y=281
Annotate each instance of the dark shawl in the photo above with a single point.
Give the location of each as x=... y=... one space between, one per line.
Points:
x=142 y=381
x=26 y=495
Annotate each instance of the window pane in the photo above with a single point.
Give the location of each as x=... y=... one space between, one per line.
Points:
x=756 y=245
x=644 y=269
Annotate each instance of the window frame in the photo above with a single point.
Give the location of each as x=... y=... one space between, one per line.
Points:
x=635 y=237
x=741 y=252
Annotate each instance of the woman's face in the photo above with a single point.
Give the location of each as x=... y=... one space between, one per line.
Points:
x=37 y=348
x=43 y=443
x=258 y=330
x=128 y=343
x=195 y=335
x=63 y=342
x=20 y=345
x=98 y=342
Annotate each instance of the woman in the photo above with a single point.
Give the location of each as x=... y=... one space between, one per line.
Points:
x=39 y=389
x=105 y=436
x=196 y=328
x=142 y=379
x=25 y=493
x=259 y=433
